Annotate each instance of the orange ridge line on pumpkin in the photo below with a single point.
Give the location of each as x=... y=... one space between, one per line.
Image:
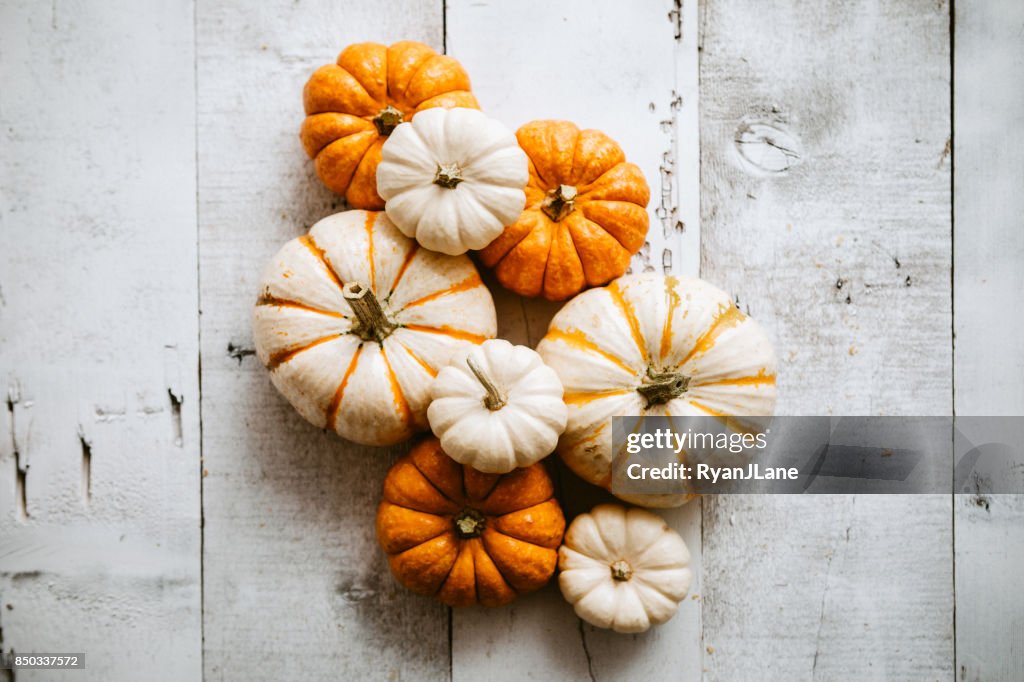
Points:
x=476 y=580
x=283 y=356
x=471 y=282
x=727 y=317
x=525 y=542
x=405 y=91
x=551 y=226
x=583 y=397
x=421 y=544
x=318 y=253
x=423 y=363
x=586 y=439
x=368 y=226
x=335 y=405
x=705 y=408
x=447 y=331
x=479 y=500
x=405 y=266
x=516 y=511
x=526 y=234
x=733 y=422
x=543 y=183
x=494 y=562
x=483 y=500
x=627 y=311
x=583 y=215
x=756 y=380
x=674 y=300
x=458 y=551
x=425 y=540
x=578 y=339
x=268 y=300
x=358 y=82
x=396 y=391
x=435 y=486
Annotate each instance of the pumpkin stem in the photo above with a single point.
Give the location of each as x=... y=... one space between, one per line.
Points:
x=621 y=570
x=469 y=523
x=386 y=120
x=559 y=202
x=448 y=175
x=494 y=400
x=373 y=324
x=661 y=387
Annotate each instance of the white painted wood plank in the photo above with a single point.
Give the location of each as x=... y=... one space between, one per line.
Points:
x=618 y=67
x=99 y=441
x=295 y=584
x=989 y=357
x=826 y=211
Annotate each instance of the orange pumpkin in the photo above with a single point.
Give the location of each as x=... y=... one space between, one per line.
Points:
x=352 y=106
x=465 y=536
x=585 y=216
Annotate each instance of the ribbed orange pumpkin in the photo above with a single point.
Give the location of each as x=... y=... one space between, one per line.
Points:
x=465 y=536
x=585 y=216
x=353 y=105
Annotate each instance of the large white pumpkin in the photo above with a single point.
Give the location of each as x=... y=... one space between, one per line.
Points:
x=354 y=320
x=623 y=569
x=452 y=179
x=653 y=345
x=497 y=407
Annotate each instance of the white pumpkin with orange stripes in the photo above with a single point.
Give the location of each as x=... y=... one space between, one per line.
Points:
x=354 y=320
x=653 y=345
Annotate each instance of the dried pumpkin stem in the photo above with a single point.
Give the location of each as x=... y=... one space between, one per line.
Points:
x=661 y=387
x=448 y=175
x=559 y=202
x=494 y=400
x=373 y=324
x=387 y=119
x=469 y=523
x=621 y=570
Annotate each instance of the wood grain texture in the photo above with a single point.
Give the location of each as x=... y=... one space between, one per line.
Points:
x=621 y=68
x=99 y=441
x=826 y=212
x=989 y=357
x=295 y=584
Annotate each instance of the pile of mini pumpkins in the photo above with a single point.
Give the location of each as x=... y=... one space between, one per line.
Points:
x=377 y=325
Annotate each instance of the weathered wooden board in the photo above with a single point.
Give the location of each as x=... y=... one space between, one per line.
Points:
x=295 y=585
x=826 y=211
x=629 y=70
x=99 y=439
x=989 y=356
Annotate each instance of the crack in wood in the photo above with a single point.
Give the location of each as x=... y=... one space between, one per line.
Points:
x=20 y=466
x=86 y=467
x=176 y=401
x=675 y=16
x=668 y=205
x=586 y=651
x=239 y=353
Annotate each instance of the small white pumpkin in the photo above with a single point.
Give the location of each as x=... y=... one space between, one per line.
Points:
x=623 y=569
x=653 y=345
x=452 y=179
x=354 y=320
x=497 y=407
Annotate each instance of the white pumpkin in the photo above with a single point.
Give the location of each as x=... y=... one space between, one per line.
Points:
x=452 y=179
x=623 y=569
x=496 y=407
x=354 y=320
x=653 y=345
